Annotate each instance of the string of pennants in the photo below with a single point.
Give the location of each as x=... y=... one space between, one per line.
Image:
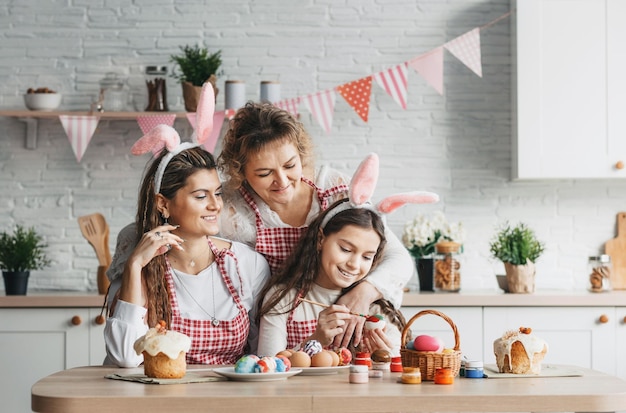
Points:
x=321 y=104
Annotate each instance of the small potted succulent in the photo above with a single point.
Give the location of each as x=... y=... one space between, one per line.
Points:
x=518 y=248
x=196 y=66
x=20 y=252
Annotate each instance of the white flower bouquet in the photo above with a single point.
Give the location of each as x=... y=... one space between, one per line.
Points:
x=422 y=233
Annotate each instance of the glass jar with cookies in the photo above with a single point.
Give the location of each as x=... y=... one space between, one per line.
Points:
x=448 y=266
x=599 y=269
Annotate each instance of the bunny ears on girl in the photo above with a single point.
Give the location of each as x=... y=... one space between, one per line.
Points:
x=362 y=188
x=164 y=136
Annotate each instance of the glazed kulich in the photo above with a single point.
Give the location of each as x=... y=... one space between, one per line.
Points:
x=163 y=352
x=520 y=352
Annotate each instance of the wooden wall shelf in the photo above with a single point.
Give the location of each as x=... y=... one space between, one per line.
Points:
x=31 y=118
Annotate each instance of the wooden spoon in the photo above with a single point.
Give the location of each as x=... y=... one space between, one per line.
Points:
x=96 y=231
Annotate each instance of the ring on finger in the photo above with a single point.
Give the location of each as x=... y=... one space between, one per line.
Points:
x=169 y=247
x=158 y=234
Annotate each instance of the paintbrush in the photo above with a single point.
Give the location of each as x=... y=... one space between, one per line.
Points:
x=367 y=317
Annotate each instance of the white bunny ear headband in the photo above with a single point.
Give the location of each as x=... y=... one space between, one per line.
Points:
x=362 y=188
x=164 y=136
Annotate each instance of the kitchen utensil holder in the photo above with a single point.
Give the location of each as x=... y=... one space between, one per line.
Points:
x=429 y=361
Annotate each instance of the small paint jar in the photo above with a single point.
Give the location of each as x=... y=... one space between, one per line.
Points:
x=376 y=374
x=462 y=369
x=359 y=374
x=474 y=369
x=411 y=375
x=363 y=359
x=444 y=375
x=396 y=364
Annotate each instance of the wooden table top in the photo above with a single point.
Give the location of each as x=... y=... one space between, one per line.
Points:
x=85 y=389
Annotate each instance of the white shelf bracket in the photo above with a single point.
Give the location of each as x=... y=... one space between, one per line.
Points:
x=31 y=132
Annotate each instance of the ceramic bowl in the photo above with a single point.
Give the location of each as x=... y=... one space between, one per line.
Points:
x=502 y=283
x=42 y=101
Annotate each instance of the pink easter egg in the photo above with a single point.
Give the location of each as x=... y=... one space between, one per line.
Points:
x=428 y=343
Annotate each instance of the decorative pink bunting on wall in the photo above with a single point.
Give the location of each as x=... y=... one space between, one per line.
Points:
x=430 y=67
x=191 y=117
x=322 y=106
x=290 y=105
x=358 y=93
x=466 y=48
x=230 y=113
x=394 y=81
x=146 y=123
x=79 y=130
x=218 y=122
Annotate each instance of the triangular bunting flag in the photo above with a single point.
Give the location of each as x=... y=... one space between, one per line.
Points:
x=322 y=106
x=230 y=113
x=290 y=105
x=79 y=130
x=146 y=123
x=430 y=67
x=394 y=81
x=466 y=48
x=191 y=117
x=218 y=121
x=357 y=93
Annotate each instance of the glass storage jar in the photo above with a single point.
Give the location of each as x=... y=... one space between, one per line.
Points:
x=447 y=266
x=599 y=269
x=112 y=93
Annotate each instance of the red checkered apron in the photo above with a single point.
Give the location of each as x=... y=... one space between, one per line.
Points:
x=222 y=344
x=298 y=331
x=277 y=243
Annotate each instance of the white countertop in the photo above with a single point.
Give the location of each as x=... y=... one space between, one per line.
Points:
x=554 y=298
x=477 y=298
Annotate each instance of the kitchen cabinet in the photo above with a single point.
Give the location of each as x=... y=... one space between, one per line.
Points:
x=568 y=88
x=620 y=323
x=468 y=322
x=36 y=342
x=576 y=336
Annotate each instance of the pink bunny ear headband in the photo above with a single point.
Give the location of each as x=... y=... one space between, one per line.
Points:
x=164 y=136
x=362 y=188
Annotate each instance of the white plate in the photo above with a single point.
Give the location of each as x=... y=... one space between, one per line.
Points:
x=231 y=374
x=321 y=371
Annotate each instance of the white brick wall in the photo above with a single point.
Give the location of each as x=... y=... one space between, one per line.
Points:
x=457 y=145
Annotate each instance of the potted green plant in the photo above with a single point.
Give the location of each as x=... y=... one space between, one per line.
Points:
x=196 y=66
x=518 y=248
x=20 y=252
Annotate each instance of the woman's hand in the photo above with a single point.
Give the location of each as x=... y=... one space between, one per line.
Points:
x=375 y=340
x=330 y=322
x=358 y=300
x=155 y=242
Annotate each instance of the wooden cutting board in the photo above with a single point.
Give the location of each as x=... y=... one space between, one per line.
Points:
x=616 y=248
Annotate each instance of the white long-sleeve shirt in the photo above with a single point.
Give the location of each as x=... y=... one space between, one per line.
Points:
x=127 y=321
x=389 y=277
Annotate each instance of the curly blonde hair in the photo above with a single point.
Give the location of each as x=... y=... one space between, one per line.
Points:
x=254 y=127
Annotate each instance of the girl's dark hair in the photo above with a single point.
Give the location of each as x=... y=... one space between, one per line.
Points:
x=301 y=268
x=179 y=168
x=255 y=126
